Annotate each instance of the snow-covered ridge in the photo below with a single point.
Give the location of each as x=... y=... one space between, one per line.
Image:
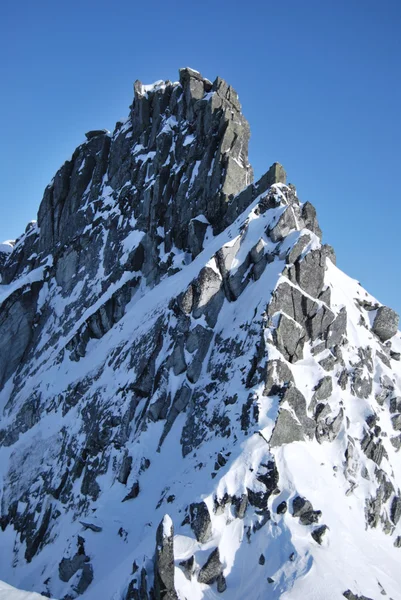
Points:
x=7 y=592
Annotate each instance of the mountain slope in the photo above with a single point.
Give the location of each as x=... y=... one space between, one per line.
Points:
x=195 y=400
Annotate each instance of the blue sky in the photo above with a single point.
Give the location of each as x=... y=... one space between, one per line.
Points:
x=319 y=82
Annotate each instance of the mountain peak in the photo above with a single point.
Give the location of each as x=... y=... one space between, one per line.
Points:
x=192 y=391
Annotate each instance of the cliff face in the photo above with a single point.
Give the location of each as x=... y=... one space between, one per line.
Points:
x=191 y=390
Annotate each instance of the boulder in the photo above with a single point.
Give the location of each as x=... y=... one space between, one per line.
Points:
x=95 y=132
x=350 y=596
x=200 y=521
x=318 y=533
x=212 y=569
x=395 y=511
x=385 y=324
x=300 y=506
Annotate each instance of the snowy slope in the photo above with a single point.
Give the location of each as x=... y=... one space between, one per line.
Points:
x=234 y=433
x=7 y=592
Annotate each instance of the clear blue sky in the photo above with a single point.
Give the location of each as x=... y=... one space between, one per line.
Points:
x=319 y=82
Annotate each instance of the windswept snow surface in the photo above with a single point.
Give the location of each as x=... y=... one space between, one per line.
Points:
x=7 y=592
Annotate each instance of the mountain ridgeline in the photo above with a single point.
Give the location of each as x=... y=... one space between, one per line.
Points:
x=195 y=401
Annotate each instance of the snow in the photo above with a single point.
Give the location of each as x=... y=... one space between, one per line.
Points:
x=167 y=526
x=188 y=139
x=7 y=592
x=153 y=87
x=7 y=246
x=350 y=556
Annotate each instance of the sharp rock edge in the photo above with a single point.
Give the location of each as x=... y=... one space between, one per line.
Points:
x=195 y=401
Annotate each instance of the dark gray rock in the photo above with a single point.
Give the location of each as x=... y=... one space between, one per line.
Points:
x=95 y=132
x=69 y=566
x=322 y=410
x=180 y=403
x=91 y=526
x=301 y=506
x=212 y=569
x=138 y=590
x=86 y=579
x=396 y=442
x=286 y=430
x=16 y=328
x=125 y=469
x=323 y=389
x=395 y=511
x=241 y=504
x=208 y=295
x=284 y=225
x=221 y=583
x=282 y=508
x=396 y=422
x=200 y=521
x=196 y=234
x=328 y=362
x=318 y=533
x=318 y=324
x=329 y=253
x=310 y=517
x=268 y=475
x=343 y=379
x=133 y=493
x=395 y=404
x=289 y=338
x=337 y=329
x=350 y=596
x=296 y=401
x=385 y=324
x=310 y=219
x=288 y=299
x=188 y=566
x=275 y=174
x=310 y=272
x=328 y=429
x=278 y=377
x=298 y=248
x=197 y=343
x=178 y=357
x=373 y=449
x=164 y=561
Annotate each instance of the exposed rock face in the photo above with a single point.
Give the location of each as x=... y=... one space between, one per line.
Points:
x=164 y=562
x=200 y=521
x=212 y=570
x=174 y=338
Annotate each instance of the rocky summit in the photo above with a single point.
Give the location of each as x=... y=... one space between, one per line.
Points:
x=195 y=401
